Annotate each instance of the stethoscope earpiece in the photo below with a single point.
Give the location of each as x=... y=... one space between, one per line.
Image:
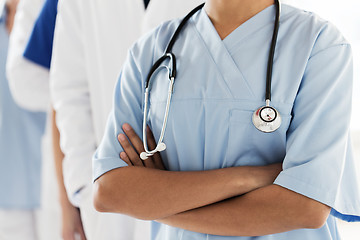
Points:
x=159 y=148
x=144 y=155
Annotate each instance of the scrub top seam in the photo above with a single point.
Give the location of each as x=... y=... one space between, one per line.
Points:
x=194 y=28
x=108 y=170
x=283 y=18
x=235 y=47
x=239 y=69
x=234 y=100
x=143 y=78
x=345 y=44
x=310 y=185
x=99 y=172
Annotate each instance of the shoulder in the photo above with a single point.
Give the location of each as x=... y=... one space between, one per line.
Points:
x=157 y=38
x=152 y=45
x=310 y=27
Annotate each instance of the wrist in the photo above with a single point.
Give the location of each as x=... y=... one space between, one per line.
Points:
x=265 y=175
x=240 y=180
x=64 y=201
x=248 y=178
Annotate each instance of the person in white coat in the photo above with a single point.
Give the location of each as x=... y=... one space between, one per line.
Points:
x=29 y=72
x=29 y=85
x=90 y=44
x=19 y=70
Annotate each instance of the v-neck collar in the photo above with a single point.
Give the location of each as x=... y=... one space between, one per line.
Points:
x=220 y=50
x=258 y=21
x=252 y=25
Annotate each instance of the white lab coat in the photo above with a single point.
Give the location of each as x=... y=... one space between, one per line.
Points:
x=32 y=95
x=29 y=85
x=90 y=44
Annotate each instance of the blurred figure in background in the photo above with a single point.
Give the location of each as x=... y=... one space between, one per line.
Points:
x=90 y=44
x=20 y=146
x=215 y=126
x=29 y=78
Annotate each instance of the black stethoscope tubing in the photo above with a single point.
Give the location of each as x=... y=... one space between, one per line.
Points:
x=261 y=123
x=272 y=52
x=169 y=54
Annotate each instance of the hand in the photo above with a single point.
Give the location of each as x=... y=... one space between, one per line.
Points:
x=72 y=227
x=133 y=146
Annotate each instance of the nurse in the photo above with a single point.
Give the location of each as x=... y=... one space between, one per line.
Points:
x=21 y=132
x=220 y=181
x=28 y=73
x=90 y=44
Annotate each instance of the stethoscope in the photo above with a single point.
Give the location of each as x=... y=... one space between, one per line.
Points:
x=265 y=118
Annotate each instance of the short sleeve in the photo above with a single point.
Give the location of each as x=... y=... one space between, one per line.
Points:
x=319 y=162
x=128 y=100
x=127 y=108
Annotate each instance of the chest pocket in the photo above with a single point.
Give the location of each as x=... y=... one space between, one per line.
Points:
x=251 y=147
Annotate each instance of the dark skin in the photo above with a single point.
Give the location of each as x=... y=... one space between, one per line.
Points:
x=243 y=199
x=131 y=154
x=70 y=215
x=199 y=219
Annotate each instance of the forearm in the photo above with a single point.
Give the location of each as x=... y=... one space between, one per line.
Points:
x=267 y=210
x=58 y=158
x=151 y=194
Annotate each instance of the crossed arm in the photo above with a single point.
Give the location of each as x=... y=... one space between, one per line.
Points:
x=243 y=199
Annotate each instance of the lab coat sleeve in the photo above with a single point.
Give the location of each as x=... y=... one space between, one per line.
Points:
x=70 y=96
x=29 y=82
x=318 y=161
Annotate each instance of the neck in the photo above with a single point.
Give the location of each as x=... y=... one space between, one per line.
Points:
x=227 y=15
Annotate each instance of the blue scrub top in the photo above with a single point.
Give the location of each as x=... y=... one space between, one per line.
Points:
x=219 y=85
x=20 y=144
x=39 y=47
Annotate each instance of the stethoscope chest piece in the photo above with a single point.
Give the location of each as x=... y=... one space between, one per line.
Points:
x=266 y=119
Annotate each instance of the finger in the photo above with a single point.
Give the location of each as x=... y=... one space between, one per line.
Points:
x=129 y=150
x=125 y=158
x=137 y=143
x=156 y=158
x=133 y=137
